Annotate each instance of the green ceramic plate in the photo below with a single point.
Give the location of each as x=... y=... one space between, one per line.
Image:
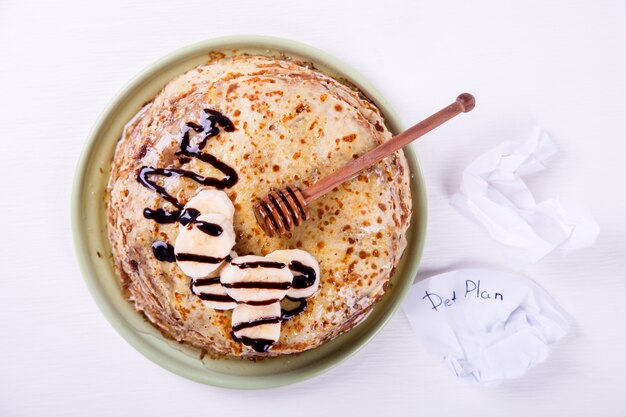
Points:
x=94 y=252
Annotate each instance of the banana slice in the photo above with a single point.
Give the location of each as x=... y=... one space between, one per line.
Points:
x=256 y=280
x=257 y=327
x=305 y=270
x=210 y=200
x=202 y=245
x=209 y=289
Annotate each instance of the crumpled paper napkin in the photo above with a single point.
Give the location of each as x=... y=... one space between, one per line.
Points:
x=494 y=195
x=486 y=325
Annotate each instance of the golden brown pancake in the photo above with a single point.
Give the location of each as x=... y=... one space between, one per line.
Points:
x=292 y=125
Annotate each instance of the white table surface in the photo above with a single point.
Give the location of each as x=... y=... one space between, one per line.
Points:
x=560 y=64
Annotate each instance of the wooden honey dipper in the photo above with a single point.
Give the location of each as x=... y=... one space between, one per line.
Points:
x=284 y=209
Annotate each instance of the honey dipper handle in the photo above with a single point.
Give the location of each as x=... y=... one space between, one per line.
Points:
x=463 y=104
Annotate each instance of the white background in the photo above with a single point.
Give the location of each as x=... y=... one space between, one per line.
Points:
x=560 y=64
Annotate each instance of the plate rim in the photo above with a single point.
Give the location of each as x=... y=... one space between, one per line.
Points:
x=418 y=196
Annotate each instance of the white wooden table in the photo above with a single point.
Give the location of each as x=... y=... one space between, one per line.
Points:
x=560 y=64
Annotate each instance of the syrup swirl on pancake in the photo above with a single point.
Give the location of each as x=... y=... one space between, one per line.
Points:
x=201 y=282
x=161 y=216
x=260 y=264
x=289 y=313
x=254 y=323
x=163 y=251
x=208 y=282
x=307 y=277
x=259 y=345
x=259 y=285
x=183 y=256
x=262 y=302
x=210 y=125
x=184 y=217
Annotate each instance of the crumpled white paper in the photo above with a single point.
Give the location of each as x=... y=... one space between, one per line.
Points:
x=486 y=325
x=494 y=195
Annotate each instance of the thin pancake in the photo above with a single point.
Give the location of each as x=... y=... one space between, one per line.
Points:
x=293 y=125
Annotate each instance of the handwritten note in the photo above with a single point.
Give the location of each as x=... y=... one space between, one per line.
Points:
x=472 y=288
x=486 y=325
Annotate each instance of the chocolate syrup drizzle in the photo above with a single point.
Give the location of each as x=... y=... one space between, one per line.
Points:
x=265 y=285
x=261 y=264
x=307 y=277
x=254 y=323
x=262 y=302
x=188 y=215
x=202 y=282
x=163 y=251
x=192 y=257
x=259 y=345
x=288 y=314
x=161 y=216
x=215 y=297
x=210 y=125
